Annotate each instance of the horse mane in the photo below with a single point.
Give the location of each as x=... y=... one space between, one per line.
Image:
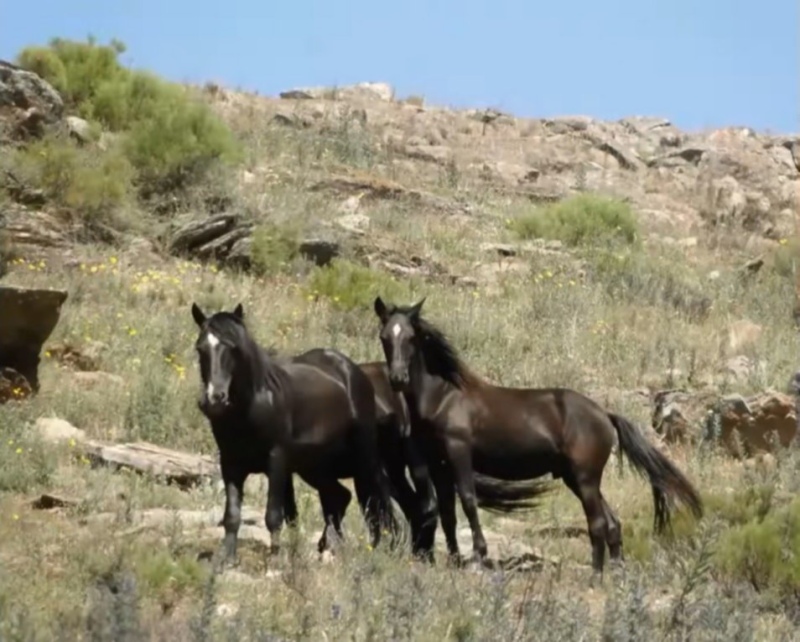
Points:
x=264 y=362
x=441 y=357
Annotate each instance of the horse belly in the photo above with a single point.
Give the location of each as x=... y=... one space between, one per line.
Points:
x=513 y=457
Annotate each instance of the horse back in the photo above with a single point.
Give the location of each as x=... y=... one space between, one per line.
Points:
x=324 y=373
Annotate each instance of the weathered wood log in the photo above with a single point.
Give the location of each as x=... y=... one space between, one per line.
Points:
x=198 y=233
x=181 y=468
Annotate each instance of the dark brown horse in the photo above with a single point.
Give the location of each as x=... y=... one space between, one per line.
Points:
x=313 y=414
x=398 y=451
x=514 y=434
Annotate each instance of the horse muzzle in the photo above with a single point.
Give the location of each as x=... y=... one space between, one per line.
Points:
x=399 y=381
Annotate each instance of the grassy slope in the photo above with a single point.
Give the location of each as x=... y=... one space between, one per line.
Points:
x=551 y=324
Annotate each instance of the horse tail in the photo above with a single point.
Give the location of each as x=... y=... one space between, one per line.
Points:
x=501 y=496
x=668 y=483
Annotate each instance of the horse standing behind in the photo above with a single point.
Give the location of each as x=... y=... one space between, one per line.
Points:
x=313 y=415
x=467 y=424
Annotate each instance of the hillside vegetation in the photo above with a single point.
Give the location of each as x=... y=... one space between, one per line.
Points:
x=620 y=259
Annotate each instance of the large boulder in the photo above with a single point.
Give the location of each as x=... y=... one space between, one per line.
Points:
x=27 y=318
x=28 y=103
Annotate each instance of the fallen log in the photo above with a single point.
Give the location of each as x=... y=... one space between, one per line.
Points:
x=177 y=467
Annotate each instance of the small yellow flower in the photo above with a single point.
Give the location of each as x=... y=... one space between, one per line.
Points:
x=47 y=354
x=18 y=451
x=93 y=269
x=15 y=517
x=72 y=443
x=113 y=260
x=132 y=332
x=783 y=241
x=571 y=282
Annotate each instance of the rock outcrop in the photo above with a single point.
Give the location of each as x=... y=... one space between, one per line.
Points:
x=741 y=425
x=27 y=318
x=28 y=104
x=675 y=179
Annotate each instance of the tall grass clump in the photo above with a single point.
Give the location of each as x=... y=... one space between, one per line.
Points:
x=585 y=219
x=170 y=139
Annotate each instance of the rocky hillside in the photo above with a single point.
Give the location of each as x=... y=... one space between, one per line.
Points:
x=676 y=180
x=369 y=146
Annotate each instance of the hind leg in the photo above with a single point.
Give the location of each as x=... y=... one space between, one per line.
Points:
x=586 y=487
x=334 y=499
x=373 y=497
x=614 y=538
x=290 y=504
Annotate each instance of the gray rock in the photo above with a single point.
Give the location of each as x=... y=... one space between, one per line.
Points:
x=27 y=320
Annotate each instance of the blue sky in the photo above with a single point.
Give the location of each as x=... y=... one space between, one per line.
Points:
x=700 y=63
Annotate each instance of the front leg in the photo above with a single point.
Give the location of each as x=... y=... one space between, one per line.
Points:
x=443 y=482
x=426 y=497
x=279 y=480
x=233 y=478
x=459 y=453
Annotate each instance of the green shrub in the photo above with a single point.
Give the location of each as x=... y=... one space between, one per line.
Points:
x=584 y=219
x=92 y=183
x=349 y=285
x=764 y=551
x=272 y=249
x=171 y=139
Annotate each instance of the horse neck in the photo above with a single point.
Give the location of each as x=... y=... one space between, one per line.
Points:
x=254 y=372
x=424 y=385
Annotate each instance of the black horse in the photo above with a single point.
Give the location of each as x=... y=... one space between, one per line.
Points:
x=313 y=415
x=466 y=424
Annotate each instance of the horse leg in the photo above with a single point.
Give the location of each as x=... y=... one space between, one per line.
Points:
x=460 y=456
x=280 y=480
x=404 y=494
x=233 y=478
x=614 y=539
x=334 y=498
x=586 y=487
x=445 y=491
x=290 y=504
x=426 y=501
x=367 y=490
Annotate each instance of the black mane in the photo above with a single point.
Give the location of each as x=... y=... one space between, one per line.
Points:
x=441 y=358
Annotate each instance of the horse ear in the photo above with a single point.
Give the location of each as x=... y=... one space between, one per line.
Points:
x=380 y=308
x=238 y=312
x=198 y=315
x=417 y=308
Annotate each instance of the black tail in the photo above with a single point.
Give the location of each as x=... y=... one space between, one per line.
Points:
x=501 y=496
x=668 y=483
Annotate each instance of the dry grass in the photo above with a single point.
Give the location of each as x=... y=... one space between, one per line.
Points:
x=607 y=323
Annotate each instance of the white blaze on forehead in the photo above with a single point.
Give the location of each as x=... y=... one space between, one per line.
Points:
x=396 y=329
x=213 y=342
